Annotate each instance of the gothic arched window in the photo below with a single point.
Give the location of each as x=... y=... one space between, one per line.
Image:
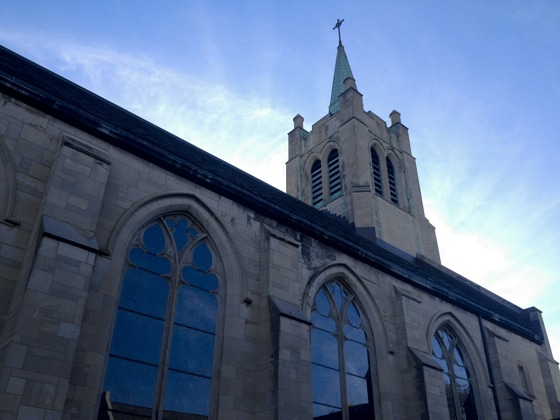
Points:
x=376 y=169
x=392 y=182
x=335 y=182
x=340 y=354
x=162 y=351
x=447 y=352
x=316 y=184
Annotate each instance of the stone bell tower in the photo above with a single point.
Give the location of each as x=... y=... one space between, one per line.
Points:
x=354 y=165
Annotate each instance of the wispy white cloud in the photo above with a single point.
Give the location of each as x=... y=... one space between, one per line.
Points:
x=247 y=132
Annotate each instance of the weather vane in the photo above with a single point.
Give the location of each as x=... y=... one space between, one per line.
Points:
x=337 y=26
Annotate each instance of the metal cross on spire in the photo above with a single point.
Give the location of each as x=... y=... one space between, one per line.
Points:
x=337 y=26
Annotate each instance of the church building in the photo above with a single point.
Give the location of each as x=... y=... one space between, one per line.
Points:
x=143 y=278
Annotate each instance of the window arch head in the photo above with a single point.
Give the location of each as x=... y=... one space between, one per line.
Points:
x=340 y=351
x=316 y=184
x=376 y=172
x=392 y=177
x=448 y=353
x=162 y=352
x=335 y=181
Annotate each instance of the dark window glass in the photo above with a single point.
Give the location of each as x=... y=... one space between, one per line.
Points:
x=137 y=337
x=335 y=182
x=169 y=274
x=392 y=181
x=446 y=352
x=186 y=393
x=376 y=169
x=145 y=293
x=132 y=384
x=149 y=262
x=316 y=184
x=340 y=357
x=196 y=308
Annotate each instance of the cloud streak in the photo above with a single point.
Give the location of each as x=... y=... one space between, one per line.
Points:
x=246 y=131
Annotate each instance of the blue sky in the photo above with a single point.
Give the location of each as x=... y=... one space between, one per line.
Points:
x=477 y=83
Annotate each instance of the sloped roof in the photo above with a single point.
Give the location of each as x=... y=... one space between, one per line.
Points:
x=56 y=96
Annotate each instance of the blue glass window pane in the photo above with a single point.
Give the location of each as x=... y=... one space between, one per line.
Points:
x=130 y=382
x=321 y=412
x=442 y=363
x=338 y=294
x=155 y=264
x=356 y=334
x=324 y=348
x=144 y=292
x=446 y=338
x=357 y=391
x=322 y=303
x=181 y=234
x=192 y=351
x=460 y=371
x=356 y=358
x=202 y=257
x=326 y=386
x=196 y=308
x=353 y=315
x=458 y=357
x=154 y=239
x=137 y=337
x=436 y=348
x=205 y=281
x=187 y=394
x=323 y=322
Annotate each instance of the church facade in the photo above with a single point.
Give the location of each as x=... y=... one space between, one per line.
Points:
x=141 y=277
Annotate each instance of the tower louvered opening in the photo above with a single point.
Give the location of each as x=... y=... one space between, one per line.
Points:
x=392 y=182
x=376 y=169
x=316 y=184
x=335 y=182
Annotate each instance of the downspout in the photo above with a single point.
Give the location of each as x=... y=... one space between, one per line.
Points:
x=490 y=372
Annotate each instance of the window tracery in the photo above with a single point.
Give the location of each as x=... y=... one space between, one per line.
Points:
x=341 y=371
x=447 y=353
x=161 y=357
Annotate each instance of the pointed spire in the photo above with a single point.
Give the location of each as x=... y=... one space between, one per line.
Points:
x=342 y=71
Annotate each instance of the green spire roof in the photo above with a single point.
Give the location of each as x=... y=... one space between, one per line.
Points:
x=341 y=72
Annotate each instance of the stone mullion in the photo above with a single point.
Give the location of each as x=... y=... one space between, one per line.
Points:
x=165 y=349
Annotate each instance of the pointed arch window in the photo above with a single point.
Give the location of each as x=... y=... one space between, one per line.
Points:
x=391 y=175
x=340 y=354
x=448 y=354
x=162 y=352
x=316 y=184
x=376 y=169
x=335 y=182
